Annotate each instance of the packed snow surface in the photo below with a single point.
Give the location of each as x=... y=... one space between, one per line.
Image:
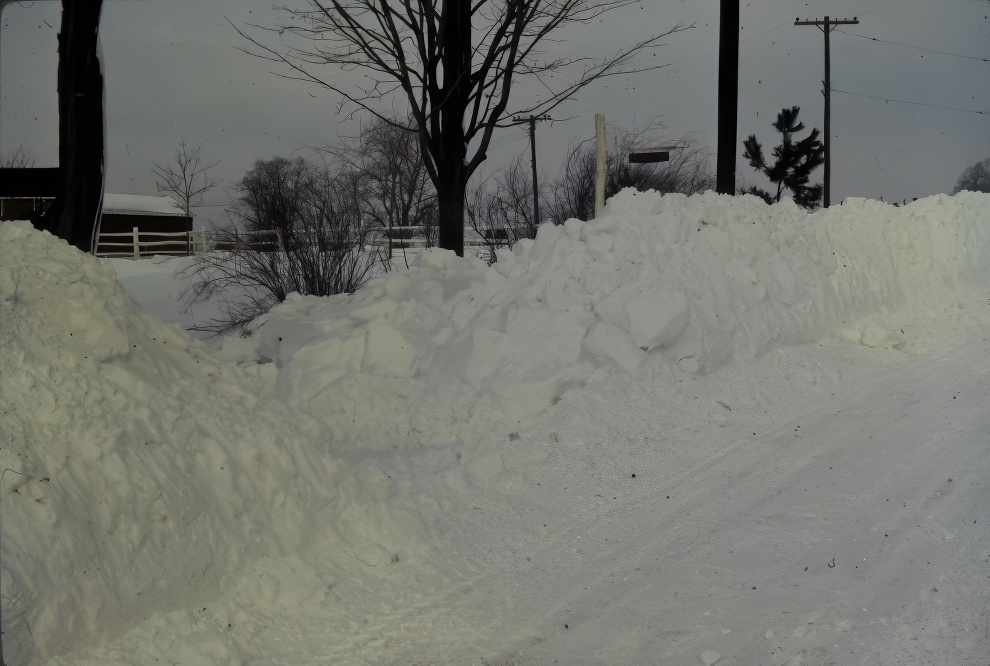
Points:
x=695 y=430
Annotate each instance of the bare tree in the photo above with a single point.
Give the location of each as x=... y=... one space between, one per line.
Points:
x=271 y=196
x=187 y=177
x=19 y=159
x=975 y=178
x=294 y=227
x=395 y=190
x=572 y=194
x=502 y=213
x=454 y=63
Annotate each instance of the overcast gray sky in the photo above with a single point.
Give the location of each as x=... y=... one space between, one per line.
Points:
x=173 y=71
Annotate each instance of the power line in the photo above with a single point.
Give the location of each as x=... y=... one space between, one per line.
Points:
x=764 y=32
x=904 y=101
x=911 y=46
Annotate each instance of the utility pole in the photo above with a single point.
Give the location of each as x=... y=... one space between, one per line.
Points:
x=728 y=96
x=827 y=26
x=532 y=143
x=599 y=164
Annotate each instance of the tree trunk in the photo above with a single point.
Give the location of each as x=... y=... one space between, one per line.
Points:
x=450 y=198
x=75 y=215
x=451 y=104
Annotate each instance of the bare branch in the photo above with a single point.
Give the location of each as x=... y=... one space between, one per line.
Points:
x=187 y=176
x=453 y=64
x=19 y=159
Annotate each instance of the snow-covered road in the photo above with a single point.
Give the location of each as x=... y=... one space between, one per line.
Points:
x=854 y=531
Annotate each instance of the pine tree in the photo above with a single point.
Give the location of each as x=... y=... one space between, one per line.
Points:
x=794 y=161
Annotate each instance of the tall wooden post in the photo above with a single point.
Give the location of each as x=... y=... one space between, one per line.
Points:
x=728 y=97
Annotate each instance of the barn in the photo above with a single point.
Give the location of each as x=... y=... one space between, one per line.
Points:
x=134 y=225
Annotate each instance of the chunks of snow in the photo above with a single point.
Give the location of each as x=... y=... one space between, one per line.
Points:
x=697 y=281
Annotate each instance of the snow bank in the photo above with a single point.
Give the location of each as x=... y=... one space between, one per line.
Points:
x=139 y=476
x=906 y=277
x=149 y=480
x=690 y=283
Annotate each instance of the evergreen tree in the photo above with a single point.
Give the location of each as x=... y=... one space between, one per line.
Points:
x=795 y=160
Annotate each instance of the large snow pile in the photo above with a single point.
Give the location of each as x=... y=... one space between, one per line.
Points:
x=693 y=283
x=172 y=503
x=139 y=477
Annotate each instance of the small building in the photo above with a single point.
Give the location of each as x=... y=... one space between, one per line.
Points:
x=134 y=225
x=33 y=209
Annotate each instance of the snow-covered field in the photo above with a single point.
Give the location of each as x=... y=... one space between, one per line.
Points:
x=696 y=431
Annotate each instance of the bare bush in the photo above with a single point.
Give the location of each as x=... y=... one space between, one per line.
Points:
x=502 y=214
x=20 y=158
x=293 y=227
x=572 y=194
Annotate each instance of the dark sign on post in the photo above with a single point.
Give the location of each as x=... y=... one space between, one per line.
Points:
x=649 y=157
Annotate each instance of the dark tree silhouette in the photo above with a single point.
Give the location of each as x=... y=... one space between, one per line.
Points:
x=794 y=161
x=294 y=227
x=187 y=176
x=975 y=178
x=453 y=63
x=395 y=190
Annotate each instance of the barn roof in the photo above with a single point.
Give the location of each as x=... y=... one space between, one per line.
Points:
x=139 y=204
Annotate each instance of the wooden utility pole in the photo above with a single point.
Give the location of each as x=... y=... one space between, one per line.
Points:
x=532 y=143
x=827 y=26
x=599 y=164
x=728 y=97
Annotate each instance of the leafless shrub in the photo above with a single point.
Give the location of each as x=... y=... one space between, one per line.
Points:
x=502 y=213
x=20 y=158
x=572 y=194
x=293 y=227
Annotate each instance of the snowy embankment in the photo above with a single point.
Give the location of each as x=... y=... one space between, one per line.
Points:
x=438 y=467
x=692 y=284
x=139 y=477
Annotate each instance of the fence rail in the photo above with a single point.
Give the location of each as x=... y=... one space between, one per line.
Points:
x=137 y=243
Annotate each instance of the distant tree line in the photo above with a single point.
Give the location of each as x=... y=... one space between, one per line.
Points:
x=975 y=178
x=320 y=225
x=500 y=209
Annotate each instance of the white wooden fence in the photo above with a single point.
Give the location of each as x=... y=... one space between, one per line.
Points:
x=137 y=243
